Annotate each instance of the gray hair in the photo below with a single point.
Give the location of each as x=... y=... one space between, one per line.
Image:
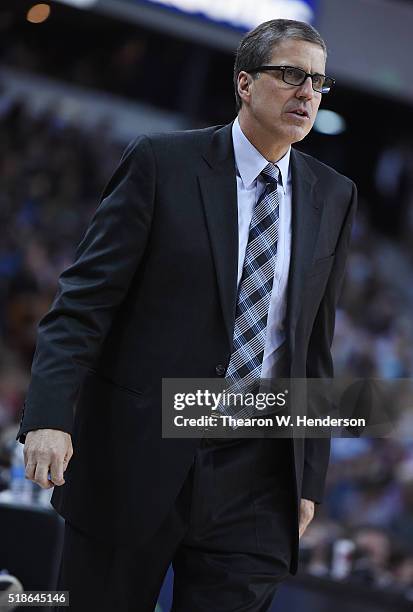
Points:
x=257 y=46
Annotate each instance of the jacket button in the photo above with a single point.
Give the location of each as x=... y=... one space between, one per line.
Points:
x=220 y=369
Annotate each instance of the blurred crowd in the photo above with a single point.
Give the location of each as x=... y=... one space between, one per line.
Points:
x=364 y=529
x=125 y=64
x=51 y=174
x=374 y=324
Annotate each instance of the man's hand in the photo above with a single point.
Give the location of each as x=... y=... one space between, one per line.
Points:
x=44 y=450
x=306 y=515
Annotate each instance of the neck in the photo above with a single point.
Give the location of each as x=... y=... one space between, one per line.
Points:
x=261 y=139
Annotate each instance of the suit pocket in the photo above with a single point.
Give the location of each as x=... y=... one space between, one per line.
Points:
x=107 y=412
x=321 y=266
x=110 y=382
x=104 y=406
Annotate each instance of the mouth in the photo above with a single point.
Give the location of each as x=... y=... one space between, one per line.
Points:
x=299 y=113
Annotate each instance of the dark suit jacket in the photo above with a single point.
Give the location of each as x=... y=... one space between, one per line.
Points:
x=152 y=294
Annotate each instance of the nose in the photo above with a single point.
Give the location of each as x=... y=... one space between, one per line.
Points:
x=305 y=90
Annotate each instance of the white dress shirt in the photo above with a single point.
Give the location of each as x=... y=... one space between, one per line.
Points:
x=249 y=165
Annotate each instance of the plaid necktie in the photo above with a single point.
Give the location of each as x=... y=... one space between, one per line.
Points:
x=254 y=294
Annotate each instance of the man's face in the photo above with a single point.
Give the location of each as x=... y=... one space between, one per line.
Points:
x=269 y=103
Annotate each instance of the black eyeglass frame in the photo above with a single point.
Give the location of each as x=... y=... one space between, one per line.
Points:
x=305 y=76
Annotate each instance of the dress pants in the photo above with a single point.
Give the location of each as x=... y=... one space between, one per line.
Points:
x=228 y=536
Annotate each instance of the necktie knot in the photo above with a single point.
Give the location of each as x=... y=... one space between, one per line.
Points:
x=271 y=173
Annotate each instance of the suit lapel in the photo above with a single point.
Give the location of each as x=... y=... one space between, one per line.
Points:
x=219 y=196
x=307 y=205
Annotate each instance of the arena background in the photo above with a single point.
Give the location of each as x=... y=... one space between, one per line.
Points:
x=78 y=80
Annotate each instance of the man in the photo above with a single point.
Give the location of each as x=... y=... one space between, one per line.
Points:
x=159 y=289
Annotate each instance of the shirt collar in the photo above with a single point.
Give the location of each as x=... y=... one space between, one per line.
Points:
x=250 y=163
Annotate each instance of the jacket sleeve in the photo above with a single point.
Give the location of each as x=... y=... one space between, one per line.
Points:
x=319 y=359
x=72 y=332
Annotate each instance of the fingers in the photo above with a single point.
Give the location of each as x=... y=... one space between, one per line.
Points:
x=47 y=452
x=30 y=470
x=41 y=476
x=302 y=528
x=304 y=523
x=305 y=520
x=307 y=509
x=39 y=472
x=56 y=473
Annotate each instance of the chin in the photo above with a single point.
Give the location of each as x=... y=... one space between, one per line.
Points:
x=301 y=137
x=296 y=135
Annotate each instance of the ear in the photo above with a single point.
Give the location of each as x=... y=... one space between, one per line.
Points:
x=244 y=86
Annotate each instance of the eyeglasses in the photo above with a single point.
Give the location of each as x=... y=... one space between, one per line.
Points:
x=297 y=76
